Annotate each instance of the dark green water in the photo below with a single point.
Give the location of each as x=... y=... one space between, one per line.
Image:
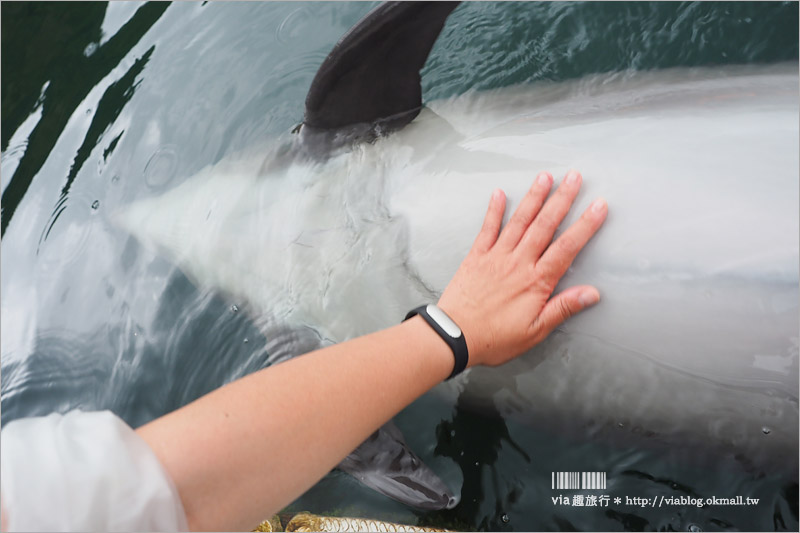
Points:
x=103 y=104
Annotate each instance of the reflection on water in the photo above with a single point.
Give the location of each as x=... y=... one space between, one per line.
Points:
x=70 y=73
x=104 y=105
x=474 y=441
x=139 y=371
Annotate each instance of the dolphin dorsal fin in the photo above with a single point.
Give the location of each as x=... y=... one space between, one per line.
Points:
x=370 y=81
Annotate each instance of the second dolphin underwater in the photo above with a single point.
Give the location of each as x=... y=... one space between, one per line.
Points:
x=696 y=338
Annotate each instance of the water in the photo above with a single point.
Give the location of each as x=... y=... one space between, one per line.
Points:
x=105 y=104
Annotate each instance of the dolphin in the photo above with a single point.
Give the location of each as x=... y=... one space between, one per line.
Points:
x=368 y=208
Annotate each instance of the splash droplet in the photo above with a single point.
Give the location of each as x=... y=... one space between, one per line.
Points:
x=95 y=204
x=765 y=430
x=245 y=340
x=505 y=518
x=694 y=527
x=90 y=49
x=234 y=308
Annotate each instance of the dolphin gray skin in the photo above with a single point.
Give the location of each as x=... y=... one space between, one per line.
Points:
x=696 y=339
x=370 y=82
x=369 y=85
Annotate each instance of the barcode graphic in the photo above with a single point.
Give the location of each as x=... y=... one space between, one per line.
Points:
x=578 y=480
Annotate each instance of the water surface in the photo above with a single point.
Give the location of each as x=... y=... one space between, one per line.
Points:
x=103 y=104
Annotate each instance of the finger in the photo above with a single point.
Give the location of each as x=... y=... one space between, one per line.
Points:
x=562 y=306
x=491 y=222
x=559 y=256
x=526 y=212
x=539 y=235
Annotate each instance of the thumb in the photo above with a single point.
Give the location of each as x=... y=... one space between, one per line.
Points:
x=562 y=306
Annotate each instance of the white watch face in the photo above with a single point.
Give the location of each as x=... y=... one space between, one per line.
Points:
x=444 y=321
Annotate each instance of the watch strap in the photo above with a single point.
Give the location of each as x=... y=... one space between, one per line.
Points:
x=448 y=331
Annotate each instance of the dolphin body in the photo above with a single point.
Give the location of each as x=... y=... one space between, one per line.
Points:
x=696 y=337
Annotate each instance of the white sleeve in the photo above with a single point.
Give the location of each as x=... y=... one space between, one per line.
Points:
x=84 y=472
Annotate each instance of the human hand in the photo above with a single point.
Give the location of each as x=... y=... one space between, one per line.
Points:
x=501 y=294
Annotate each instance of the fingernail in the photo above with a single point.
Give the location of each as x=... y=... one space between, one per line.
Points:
x=572 y=177
x=545 y=179
x=497 y=194
x=598 y=205
x=589 y=297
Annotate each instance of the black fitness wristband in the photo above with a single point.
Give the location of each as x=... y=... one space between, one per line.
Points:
x=448 y=331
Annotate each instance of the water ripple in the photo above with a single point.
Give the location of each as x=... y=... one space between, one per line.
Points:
x=292 y=27
x=161 y=167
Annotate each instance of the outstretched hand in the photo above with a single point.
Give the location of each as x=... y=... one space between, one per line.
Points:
x=501 y=294
x=213 y=449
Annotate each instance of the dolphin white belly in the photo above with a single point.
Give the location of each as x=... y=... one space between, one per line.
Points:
x=697 y=330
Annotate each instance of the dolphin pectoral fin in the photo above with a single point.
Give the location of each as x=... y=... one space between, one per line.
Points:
x=372 y=74
x=385 y=463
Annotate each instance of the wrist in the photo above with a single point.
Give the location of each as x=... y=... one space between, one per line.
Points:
x=469 y=332
x=437 y=357
x=448 y=331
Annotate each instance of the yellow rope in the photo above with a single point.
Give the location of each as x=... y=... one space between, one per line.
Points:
x=310 y=522
x=273 y=524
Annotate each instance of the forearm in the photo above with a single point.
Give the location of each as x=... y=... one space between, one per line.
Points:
x=244 y=451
